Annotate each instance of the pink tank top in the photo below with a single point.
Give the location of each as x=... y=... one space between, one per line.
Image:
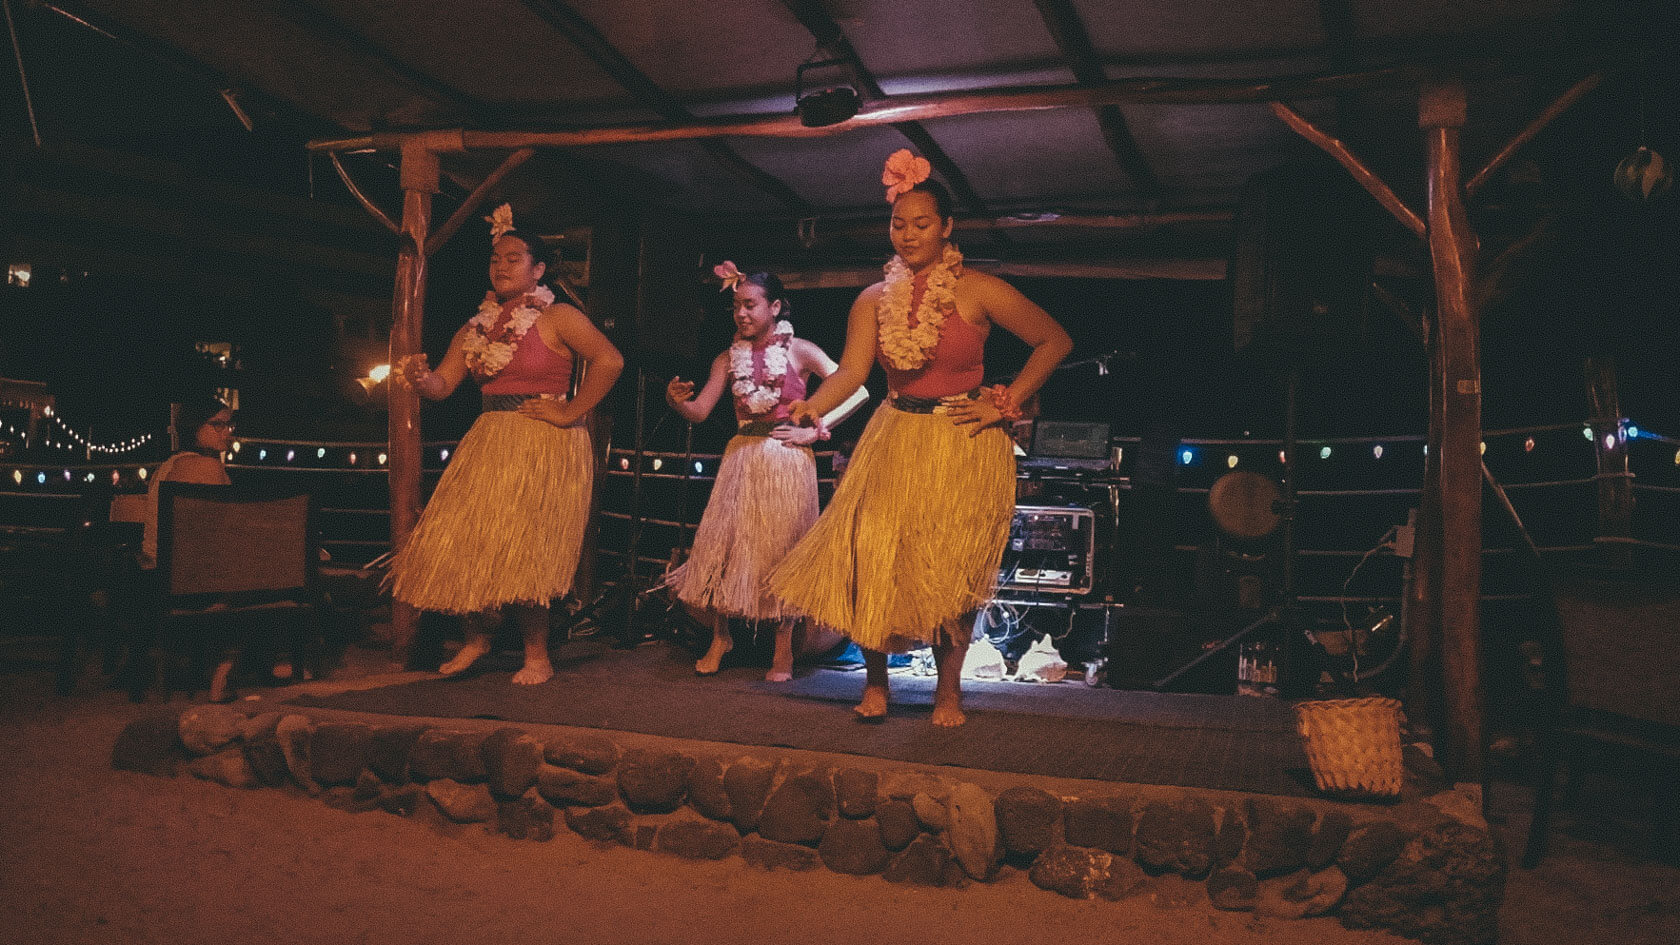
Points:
x=958 y=361
x=793 y=388
x=535 y=369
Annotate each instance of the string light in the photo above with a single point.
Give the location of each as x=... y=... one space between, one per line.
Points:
x=352 y=459
x=443 y=454
x=1283 y=457
x=142 y=474
x=1231 y=461
x=1633 y=431
x=699 y=467
x=125 y=446
x=262 y=455
x=236 y=445
x=657 y=463
x=1484 y=447
x=382 y=459
x=291 y=455
x=17 y=476
x=1609 y=441
x=1587 y=433
x=1528 y=445
x=1324 y=452
x=67 y=475
x=40 y=478
x=1187 y=457
x=623 y=463
x=321 y=453
x=1376 y=451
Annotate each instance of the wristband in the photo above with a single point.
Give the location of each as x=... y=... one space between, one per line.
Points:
x=1004 y=403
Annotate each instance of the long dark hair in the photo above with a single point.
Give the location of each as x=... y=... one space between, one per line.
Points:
x=939 y=192
x=191 y=414
x=774 y=291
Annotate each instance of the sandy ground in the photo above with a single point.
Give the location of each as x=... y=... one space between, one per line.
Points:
x=88 y=854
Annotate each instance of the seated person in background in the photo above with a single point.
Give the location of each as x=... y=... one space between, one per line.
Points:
x=204 y=431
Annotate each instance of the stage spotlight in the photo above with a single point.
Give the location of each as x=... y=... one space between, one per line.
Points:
x=825 y=91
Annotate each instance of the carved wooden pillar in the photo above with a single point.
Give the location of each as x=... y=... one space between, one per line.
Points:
x=1452 y=250
x=419 y=177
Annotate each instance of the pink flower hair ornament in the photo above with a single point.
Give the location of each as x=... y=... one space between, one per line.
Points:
x=732 y=277
x=903 y=172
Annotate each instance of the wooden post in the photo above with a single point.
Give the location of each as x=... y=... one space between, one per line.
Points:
x=1423 y=593
x=419 y=178
x=1615 y=483
x=1452 y=252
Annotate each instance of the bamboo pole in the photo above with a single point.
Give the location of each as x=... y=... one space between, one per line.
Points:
x=1368 y=180
x=1452 y=250
x=1560 y=105
x=419 y=178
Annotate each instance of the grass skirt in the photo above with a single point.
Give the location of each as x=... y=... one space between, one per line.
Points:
x=506 y=522
x=764 y=501
x=913 y=536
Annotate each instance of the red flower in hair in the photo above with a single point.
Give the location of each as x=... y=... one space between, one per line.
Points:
x=729 y=274
x=903 y=172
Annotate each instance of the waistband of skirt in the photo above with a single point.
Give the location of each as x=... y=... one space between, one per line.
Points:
x=759 y=427
x=944 y=404
x=492 y=402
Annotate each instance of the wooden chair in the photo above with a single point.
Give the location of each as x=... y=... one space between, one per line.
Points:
x=230 y=556
x=1615 y=693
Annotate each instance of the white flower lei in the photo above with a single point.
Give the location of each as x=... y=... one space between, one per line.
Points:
x=909 y=348
x=761 y=398
x=486 y=358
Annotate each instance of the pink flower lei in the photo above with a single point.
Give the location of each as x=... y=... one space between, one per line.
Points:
x=489 y=349
x=907 y=348
x=761 y=398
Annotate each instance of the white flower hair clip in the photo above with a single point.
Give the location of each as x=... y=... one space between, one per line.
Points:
x=500 y=220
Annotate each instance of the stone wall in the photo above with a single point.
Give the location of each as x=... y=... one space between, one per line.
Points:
x=1428 y=868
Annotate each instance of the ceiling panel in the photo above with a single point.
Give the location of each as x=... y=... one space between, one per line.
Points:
x=679 y=174
x=253 y=45
x=1190 y=28
x=1215 y=147
x=500 y=53
x=921 y=37
x=835 y=172
x=690 y=48
x=1012 y=157
x=1388 y=20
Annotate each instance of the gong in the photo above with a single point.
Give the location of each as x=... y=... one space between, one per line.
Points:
x=1244 y=504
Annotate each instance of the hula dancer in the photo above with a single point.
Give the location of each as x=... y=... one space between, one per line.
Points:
x=505 y=525
x=909 y=547
x=765 y=496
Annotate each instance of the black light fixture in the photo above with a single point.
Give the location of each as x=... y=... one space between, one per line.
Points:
x=825 y=90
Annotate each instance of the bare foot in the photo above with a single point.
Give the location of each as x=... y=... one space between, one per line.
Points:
x=464 y=658
x=874 y=704
x=534 y=673
x=948 y=713
x=778 y=675
x=708 y=664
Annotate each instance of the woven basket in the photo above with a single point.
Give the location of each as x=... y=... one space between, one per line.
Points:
x=1353 y=745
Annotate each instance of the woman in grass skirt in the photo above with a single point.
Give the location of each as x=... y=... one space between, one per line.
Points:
x=765 y=496
x=909 y=547
x=505 y=525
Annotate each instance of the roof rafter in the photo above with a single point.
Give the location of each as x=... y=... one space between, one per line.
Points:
x=587 y=38
x=827 y=33
x=1068 y=30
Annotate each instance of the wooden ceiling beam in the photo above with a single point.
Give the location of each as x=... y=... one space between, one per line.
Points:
x=644 y=90
x=1153 y=91
x=1071 y=37
x=829 y=35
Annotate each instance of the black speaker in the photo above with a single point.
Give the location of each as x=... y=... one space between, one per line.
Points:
x=1302 y=261
x=669 y=307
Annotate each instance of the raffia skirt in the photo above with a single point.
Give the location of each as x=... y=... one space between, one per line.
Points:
x=763 y=502
x=913 y=536
x=506 y=522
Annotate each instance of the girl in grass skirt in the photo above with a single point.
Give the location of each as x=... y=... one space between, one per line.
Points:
x=909 y=547
x=765 y=496
x=505 y=525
